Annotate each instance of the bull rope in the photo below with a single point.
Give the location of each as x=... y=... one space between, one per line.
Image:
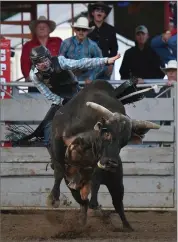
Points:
x=154 y=87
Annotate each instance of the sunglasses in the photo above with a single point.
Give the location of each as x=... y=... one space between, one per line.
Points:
x=99 y=10
x=81 y=29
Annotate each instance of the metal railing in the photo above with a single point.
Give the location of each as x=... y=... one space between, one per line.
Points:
x=20 y=89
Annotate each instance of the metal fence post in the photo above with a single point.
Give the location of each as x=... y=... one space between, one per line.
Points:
x=174 y=95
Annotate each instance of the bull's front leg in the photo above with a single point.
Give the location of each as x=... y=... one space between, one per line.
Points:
x=94 y=208
x=116 y=190
x=85 y=191
x=82 y=202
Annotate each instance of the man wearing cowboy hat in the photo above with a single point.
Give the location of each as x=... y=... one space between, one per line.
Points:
x=80 y=46
x=40 y=29
x=104 y=34
x=171 y=72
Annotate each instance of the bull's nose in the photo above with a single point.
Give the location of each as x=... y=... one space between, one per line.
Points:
x=112 y=163
x=109 y=163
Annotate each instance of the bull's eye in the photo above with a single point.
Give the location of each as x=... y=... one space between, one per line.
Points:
x=107 y=136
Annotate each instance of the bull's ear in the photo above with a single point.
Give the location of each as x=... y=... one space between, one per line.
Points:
x=136 y=139
x=98 y=126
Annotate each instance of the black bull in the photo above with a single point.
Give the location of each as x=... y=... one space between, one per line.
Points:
x=105 y=128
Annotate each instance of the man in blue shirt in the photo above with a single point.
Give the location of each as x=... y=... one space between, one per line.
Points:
x=80 y=46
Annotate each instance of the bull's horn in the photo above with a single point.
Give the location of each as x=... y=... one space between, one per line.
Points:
x=136 y=124
x=100 y=109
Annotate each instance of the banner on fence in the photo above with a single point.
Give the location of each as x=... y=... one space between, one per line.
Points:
x=5 y=71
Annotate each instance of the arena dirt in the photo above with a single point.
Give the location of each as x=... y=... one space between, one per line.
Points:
x=54 y=226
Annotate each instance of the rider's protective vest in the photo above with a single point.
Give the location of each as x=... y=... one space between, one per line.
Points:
x=61 y=82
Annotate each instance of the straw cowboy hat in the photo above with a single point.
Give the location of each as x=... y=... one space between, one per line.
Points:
x=172 y=64
x=42 y=19
x=82 y=23
x=93 y=6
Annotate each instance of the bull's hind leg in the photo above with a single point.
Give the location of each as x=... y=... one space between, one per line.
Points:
x=83 y=205
x=53 y=198
x=117 y=192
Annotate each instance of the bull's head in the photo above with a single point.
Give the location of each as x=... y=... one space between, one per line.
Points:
x=116 y=130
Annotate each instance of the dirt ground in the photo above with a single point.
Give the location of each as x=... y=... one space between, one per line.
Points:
x=59 y=226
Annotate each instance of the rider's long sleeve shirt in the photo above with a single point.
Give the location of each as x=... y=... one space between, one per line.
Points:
x=65 y=64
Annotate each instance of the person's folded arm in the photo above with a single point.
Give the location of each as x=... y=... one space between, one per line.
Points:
x=158 y=42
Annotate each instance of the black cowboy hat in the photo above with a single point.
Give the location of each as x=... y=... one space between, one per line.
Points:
x=93 y=6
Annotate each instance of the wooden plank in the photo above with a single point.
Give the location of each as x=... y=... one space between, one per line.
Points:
x=128 y=154
x=23 y=36
x=17 y=22
x=24 y=109
x=163 y=184
x=31 y=109
x=35 y=169
x=164 y=134
x=152 y=109
x=151 y=154
x=17 y=10
x=131 y=200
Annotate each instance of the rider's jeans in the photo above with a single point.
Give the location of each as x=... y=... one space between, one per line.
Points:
x=47 y=133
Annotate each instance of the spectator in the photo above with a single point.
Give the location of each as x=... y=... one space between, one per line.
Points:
x=171 y=72
x=104 y=34
x=165 y=45
x=141 y=61
x=40 y=29
x=173 y=12
x=80 y=46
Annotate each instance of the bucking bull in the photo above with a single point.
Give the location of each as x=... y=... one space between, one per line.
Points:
x=88 y=134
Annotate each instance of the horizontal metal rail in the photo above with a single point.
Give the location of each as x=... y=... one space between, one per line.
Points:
x=147 y=83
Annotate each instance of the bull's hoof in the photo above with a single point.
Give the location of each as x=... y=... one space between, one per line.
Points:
x=52 y=202
x=128 y=228
x=83 y=219
x=83 y=214
x=95 y=212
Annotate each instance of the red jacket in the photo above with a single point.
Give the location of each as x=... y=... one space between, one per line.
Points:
x=53 y=44
x=174 y=31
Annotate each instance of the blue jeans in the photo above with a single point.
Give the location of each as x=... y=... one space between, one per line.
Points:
x=47 y=133
x=172 y=43
x=49 y=117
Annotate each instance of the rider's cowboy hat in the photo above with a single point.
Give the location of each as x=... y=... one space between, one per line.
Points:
x=93 y=6
x=82 y=23
x=172 y=64
x=42 y=19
